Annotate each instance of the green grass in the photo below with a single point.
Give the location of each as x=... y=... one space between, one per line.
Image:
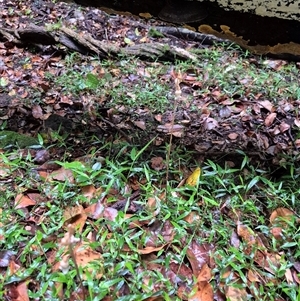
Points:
x=129 y=82
x=222 y=197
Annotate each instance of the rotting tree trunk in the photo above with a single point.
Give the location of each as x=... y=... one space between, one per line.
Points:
x=261 y=26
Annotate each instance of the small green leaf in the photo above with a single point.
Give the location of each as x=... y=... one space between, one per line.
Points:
x=128 y=41
x=3 y=82
x=92 y=81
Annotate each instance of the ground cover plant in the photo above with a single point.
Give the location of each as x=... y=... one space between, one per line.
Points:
x=106 y=227
x=125 y=179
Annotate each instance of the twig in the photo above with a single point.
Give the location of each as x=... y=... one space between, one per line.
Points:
x=177 y=97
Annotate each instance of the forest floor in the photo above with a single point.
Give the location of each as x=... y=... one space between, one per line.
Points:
x=145 y=180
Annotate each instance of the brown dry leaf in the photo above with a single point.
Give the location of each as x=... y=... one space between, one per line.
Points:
x=95 y=210
x=234 y=240
x=110 y=213
x=236 y=294
x=192 y=217
x=210 y=123
x=297 y=122
x=140 y=124
x=37 y=112
x=253 y=276
x=171 y=128
x=270 y=262
x=275 y=64
x=23 y=201
x=153 y=205
x=17 y=292
x=232 y=293
x=166 y=231
x=36 y=197
x=204 y=292
x=289 y=276
x=246 y=233
x=41 y=156
x=267 y=105
x=76 y=216
x=5 y=258
x=277 y=233
x=205 y=273
x=282 y=215
x=62 y=175
x=88 y=191
x=225 y=112
x=79 y=294
x=147 y=250
x=198 y=255
x=284 y=127
x=157 y=163
x=270 y=119
x=295 y=276
x=4 y=170
x=178 y=134
x=84 y=255
x=158 y=117
x=233 y=136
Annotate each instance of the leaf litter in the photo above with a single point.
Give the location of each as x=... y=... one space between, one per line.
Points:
x=36 y=99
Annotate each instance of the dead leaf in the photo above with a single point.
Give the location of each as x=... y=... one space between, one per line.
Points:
x=84 y=255
x=277 y=233
x=253 y=276
x=140 y=124
x=204 y=292
x=23 y=201
x=225 y=112
x=88 y=191
x=146 y=250
x=270 y=119
x=233 y=136
x=170 y=128
x=275 y=64
x=193 y=179
x=282 y=214
x=5 y=258
x=62 y=175
x=41 y=156
x=267 y=105
x=234 y=240
x=76 y=216
x=192 y=217
x=18 y=292
x=157 y=163
x=236 y=293
x=288 y=276
x=198 y=255
x=284 y=127
x=297 y=122
x=210 y=123
x=37 y=112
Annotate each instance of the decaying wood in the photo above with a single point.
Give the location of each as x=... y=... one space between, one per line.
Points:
x=86 y=44
x=186 y=34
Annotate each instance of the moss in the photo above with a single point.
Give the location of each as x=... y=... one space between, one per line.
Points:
x=8 y=138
